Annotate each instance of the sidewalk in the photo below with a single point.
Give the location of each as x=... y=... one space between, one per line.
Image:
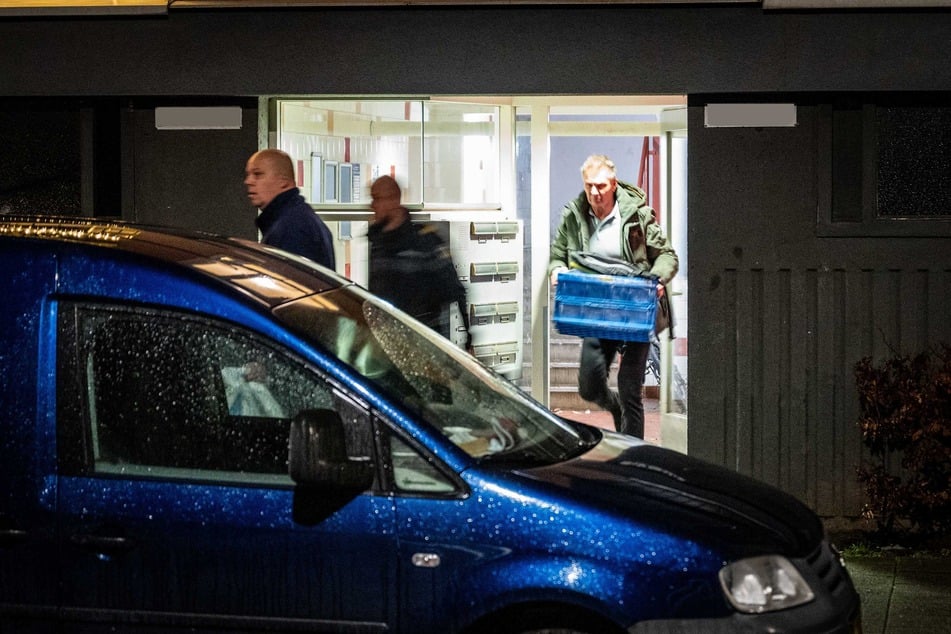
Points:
x=903 y=594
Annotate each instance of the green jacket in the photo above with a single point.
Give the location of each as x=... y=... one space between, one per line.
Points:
x=643 y=241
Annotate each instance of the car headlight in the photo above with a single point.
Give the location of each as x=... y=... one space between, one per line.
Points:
x=764 y=584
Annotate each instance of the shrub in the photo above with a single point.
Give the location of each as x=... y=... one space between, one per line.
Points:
x=905 y=419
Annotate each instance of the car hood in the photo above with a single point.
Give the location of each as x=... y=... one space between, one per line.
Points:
x=673 y=492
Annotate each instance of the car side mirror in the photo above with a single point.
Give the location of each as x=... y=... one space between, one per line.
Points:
x=317 y=454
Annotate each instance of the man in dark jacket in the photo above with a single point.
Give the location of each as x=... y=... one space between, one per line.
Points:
x=612 y=219
x=286 y=220
x=410 y=265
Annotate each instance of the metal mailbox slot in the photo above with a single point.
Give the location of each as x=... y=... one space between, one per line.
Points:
x=504 y=271
x=502 y=312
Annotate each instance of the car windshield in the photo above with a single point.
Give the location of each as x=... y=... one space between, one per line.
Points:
x=478 y=410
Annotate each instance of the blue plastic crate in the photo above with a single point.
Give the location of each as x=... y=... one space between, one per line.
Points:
x=605 y=306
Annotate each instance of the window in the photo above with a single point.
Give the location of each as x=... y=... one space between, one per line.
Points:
x=164 y=394
x=883 y=169
x=914 y=152
x=442 y=153
x=412 y=473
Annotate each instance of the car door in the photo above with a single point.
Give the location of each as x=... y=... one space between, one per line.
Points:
x=176 y=509
x=28 y=588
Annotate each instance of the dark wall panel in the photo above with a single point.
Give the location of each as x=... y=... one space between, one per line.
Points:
x=40 y=162
x=192 y=178
x=616 y=49
x=780 y=315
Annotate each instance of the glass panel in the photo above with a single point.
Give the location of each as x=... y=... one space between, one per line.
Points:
x=356 y=140
x=175 y=397
x=461 y=153
x=435 y=381
x=523 y=211
x=413 y=473
x=677 y=233
x=443 y=153
x=914 y=151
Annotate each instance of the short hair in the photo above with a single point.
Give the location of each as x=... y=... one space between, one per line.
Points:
x=597 y=162
x=387 y=186
x=281 y=161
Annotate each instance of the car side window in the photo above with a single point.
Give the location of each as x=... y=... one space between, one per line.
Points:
x=412 y=473
x=165 y=394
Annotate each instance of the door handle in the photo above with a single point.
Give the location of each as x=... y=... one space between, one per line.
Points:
x=103 y=544
x=11 y=537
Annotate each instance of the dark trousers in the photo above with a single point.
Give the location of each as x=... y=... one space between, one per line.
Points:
x=625 y=405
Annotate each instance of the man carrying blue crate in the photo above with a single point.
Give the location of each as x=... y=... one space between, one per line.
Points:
x=611 y=219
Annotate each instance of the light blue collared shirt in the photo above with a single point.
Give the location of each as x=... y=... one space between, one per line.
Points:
x=605 y=234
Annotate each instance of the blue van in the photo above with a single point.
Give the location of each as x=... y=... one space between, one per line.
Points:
x=205 y=434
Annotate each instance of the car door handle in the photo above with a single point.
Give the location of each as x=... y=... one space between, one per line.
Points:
x=11 y=537
x=104 y=544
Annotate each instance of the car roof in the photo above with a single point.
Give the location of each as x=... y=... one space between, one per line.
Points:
x=272 y=275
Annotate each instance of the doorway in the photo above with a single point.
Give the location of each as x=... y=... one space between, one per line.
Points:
x=647 y=139
x=484 y=160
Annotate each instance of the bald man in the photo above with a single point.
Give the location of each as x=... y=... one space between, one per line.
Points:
x=410 y=265
x=286 y=220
